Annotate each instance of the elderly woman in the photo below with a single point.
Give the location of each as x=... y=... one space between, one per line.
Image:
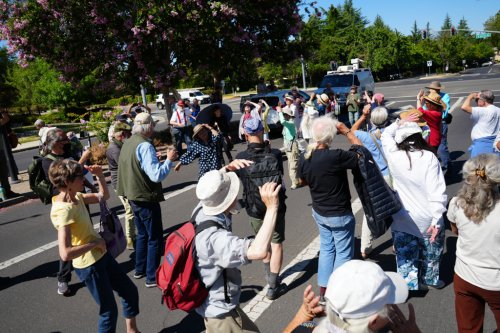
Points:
x=371 y=140
x=325 y=171
x=78 y=241
x=475 y=217
x=417 y=230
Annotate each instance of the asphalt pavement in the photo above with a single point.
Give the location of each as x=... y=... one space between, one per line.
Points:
x=29 y=256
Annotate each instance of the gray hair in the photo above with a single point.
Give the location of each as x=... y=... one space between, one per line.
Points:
x=323 y=131
x=487 y=96
x=379 y=116
x=142 y=128
x=479 y=193
x=39 y=123
x=53 y=136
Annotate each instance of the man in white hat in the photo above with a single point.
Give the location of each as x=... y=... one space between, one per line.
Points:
x=220 y=253
x=360 y=297
x=140 y=174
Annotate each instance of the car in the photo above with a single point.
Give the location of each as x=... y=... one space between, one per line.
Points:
x=343 y=78
x=187 y=94
x=272 y=99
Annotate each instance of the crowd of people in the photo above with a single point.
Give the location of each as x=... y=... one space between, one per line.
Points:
x=408 y=157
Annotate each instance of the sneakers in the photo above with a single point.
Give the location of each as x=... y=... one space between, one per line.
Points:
x=439 y=285
x=139 y=275
x=62 y=288
x=150 y=284
x=274 y=293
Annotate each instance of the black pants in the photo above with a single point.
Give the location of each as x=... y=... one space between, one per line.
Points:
x=64 y=274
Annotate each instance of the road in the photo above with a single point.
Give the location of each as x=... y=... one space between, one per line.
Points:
x=29 y=257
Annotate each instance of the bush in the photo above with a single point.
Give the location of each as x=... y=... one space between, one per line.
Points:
x=18 y=119
x=54 y=117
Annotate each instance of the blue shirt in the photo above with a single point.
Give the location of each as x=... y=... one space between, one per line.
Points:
x=156 y=171
x=367 y=141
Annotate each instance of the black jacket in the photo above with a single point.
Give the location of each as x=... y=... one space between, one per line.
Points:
x=378 y=200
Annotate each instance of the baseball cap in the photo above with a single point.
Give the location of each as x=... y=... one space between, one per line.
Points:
x=359 y=289
x=253 y=126
x=119 y=126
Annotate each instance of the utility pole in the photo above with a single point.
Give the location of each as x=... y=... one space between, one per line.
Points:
x=303 y=72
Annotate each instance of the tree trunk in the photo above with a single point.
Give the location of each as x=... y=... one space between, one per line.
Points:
x=216 y=96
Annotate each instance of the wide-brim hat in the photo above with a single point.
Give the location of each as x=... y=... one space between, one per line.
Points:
x=144 y=118
x=323 y=99
x=289 y=97
x=436 y=85
x=435 y=99
x=197 y=130
x=288 y=111
x=405 y=131
x=405 y=114
x=359 y=289
x=354 y=87
x=217 y=190
x=120 y=127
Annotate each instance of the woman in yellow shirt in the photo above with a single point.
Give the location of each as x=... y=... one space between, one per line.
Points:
x=78 y=241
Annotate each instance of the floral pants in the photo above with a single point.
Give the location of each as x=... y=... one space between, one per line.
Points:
x=417 y=258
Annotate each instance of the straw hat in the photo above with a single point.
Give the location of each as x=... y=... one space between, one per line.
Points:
x=435 y=99
x=197 y=129
x=421 y=122
x=323 y=99
x=436 y=85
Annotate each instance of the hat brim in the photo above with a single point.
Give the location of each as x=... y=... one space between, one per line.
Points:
x=197 y=131
x=441 y=103
x=232 y=194
x=400 y=287
x=435 y=88
x=320 y=100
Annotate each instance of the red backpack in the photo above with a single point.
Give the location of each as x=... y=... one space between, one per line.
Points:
x=177 y=276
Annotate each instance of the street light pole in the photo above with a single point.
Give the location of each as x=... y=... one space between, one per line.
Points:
x=303 y=72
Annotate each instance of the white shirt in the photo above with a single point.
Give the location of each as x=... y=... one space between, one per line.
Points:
x=42 y=133
x=497 y=139
x=421 y=189
x=181 y=116
x=478 y=249
x=486 y=121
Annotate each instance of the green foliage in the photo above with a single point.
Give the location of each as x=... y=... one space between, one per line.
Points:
x=493 y=23
x=100 y=121
x=54 y=117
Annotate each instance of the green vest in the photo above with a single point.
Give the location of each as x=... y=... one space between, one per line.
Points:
x=133 y=182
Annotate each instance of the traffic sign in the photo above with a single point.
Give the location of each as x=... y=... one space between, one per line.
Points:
x=429 y=63
x=483 y=35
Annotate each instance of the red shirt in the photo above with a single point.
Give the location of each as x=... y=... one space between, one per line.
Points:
x=433 y=119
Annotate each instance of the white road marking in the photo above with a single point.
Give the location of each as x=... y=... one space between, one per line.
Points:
x=256 y=307
x=390 y=103
x=53 y=244
x=456 y=104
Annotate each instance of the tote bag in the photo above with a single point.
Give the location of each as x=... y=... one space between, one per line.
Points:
x=111 y=231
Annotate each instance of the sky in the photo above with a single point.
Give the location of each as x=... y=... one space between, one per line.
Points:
x=401 y=14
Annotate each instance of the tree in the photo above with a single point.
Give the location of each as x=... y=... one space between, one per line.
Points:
x=493 y=23
x=463 y=28
x=7 y=92
x=446 y=27
x=147 y=40
x=39 y=85
x=416 y=35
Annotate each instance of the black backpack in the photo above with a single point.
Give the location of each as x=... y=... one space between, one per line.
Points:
x=39 y=184
x=265 y=169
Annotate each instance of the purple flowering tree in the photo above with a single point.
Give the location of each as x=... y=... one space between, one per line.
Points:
x=147 y=40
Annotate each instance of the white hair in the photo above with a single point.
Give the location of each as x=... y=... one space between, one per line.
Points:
x=142 y=128
x=379 y=116
x=323 y=131
x=39 y=122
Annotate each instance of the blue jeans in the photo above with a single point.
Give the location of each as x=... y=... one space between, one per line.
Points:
x=336 y=243
x=182 y=134
x=443 y=152
x=101 y=279
x=353 y=117
x=417 y=258
x=149 y=239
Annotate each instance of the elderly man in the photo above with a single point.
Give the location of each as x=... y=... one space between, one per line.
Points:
x=443 y=152
x=140 y=174
x=486 y=122
x=121 y=132
x=220 y=253
x=181 y=125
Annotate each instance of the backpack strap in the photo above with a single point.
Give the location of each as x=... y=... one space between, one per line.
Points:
x=203 y=226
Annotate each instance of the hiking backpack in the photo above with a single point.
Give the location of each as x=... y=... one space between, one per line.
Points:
x=177 y=276
x=265 y=169
x=39 y=184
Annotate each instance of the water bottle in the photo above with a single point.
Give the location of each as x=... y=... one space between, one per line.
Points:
x=2 y=194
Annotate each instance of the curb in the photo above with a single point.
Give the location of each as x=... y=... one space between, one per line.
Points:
x=17 y=200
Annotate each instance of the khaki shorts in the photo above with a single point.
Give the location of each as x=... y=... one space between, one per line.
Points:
x=279 y=228
x=236 y=321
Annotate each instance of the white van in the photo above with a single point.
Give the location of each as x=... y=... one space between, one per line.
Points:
x=189 y=94
x=343 y=78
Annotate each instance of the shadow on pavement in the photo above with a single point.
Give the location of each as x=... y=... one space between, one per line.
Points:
x=248 y=292
x=48 y=269
x=20 y=219
x=179 y=186
x=454 y=174
x=193 y=323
